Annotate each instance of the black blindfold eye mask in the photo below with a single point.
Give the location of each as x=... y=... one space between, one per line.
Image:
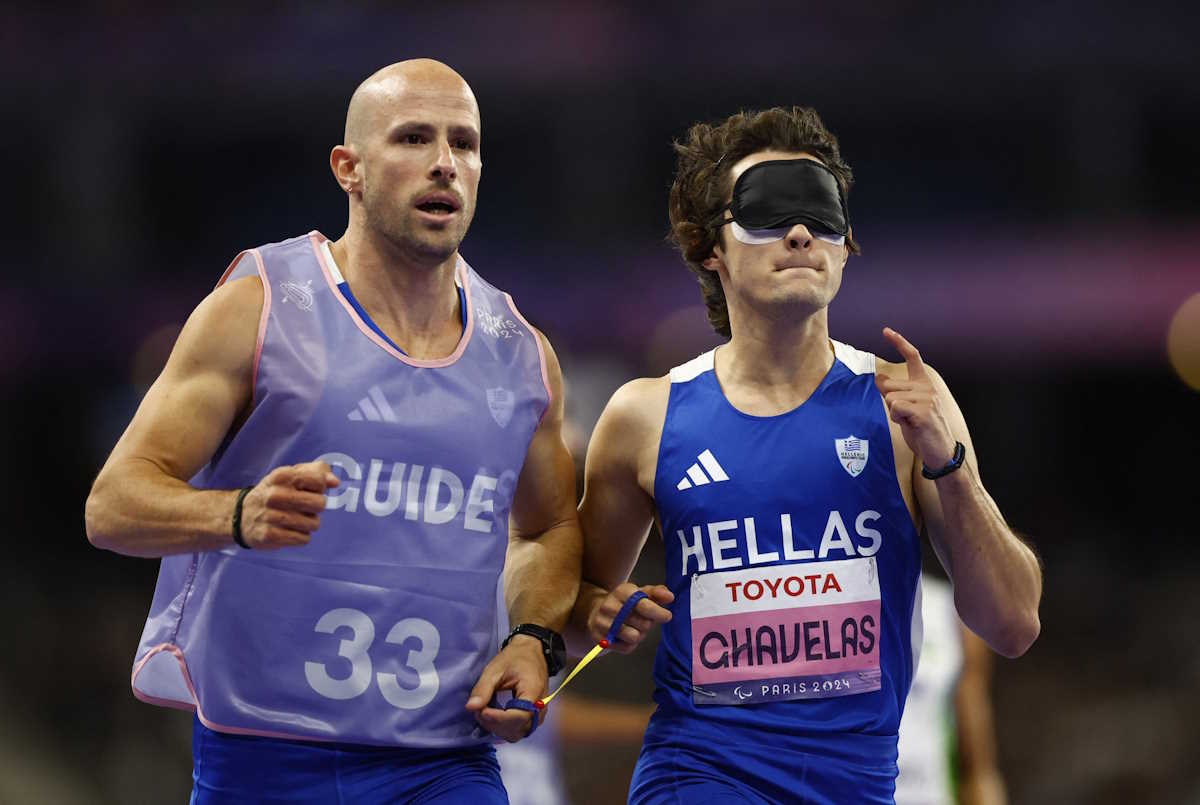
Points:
x=784 y=192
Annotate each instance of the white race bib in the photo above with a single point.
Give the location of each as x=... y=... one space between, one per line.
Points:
x=799 y=631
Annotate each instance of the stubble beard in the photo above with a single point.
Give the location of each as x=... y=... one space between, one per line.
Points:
x=813 y=296
x=400 y=229
x=787 y=303
x=806 y=301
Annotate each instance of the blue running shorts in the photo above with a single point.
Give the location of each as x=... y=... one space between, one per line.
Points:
x=249 y=769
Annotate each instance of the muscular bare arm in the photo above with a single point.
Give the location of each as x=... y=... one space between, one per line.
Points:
x=616 y=513
x=544 y=548
x=541 y=572
x=997 y=578
x=141 y=503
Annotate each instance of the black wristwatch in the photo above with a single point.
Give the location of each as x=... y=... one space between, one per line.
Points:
x=553 y=648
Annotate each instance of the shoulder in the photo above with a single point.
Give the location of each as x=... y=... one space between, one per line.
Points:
x=233 y=303
x=497 y=307
x=222 y=331
x=490 y=294
x=553 y=367
x=893 y=371
x=552 y=379
x=856 y=360
x=640 y=404
x=237 y=294
x=627 y=436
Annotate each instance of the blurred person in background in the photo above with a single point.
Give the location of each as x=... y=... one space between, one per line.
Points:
x=347 y=440
x=947 y=746
x=790 y=476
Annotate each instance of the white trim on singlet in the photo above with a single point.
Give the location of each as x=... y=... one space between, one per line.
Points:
x=917 y=628
x=857 y=361
x=693 y=368
x=338 y=279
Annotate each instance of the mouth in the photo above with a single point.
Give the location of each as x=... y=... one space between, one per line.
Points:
x=440 y=205
x=797 y=266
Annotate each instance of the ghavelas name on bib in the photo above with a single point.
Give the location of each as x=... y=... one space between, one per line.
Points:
x=786 y=632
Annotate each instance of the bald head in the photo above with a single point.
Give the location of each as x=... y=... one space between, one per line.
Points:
x=405 y=84
x=411 y=160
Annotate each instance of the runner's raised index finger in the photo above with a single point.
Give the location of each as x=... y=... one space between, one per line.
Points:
x=912 y=357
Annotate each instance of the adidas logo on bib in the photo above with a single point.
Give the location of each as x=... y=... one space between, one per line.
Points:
x=373 y=408
x=696 y=476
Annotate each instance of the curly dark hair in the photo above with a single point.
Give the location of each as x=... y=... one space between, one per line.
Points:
x=703 y=183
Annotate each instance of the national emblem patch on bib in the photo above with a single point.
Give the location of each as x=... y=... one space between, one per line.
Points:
x=500 y=403
x=800 y=631
x=852 y=453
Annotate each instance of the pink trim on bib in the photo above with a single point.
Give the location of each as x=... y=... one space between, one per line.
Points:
x=229 y=269
x=541 y=354
x=317 y=238
x=177 y=653
x=266 y=309
x=174 y=650
x=263 y=319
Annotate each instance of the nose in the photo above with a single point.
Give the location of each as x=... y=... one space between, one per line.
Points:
x=444 y=167
x=798 y=237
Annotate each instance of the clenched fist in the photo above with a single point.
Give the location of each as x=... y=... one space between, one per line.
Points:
x=521 y=668
x=284 y=508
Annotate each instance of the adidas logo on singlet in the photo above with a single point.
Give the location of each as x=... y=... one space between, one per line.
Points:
x=373 y=408
x=696 y=476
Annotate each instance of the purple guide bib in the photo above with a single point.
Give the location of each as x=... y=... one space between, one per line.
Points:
x=376 y=631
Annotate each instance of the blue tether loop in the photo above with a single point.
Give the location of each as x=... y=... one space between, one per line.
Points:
x=622 y=614
x=529 y=707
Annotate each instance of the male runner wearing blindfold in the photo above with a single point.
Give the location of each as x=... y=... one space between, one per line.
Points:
x=790 y=476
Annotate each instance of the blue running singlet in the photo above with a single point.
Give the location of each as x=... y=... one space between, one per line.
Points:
x=795 y=564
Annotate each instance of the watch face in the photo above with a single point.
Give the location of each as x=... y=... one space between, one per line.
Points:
x=557 y=657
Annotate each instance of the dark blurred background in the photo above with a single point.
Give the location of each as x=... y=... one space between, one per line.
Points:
x=1026 y=198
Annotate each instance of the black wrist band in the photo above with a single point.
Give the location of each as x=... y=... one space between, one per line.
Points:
x=956 y=461
x=237 y=517
x=553 y=649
